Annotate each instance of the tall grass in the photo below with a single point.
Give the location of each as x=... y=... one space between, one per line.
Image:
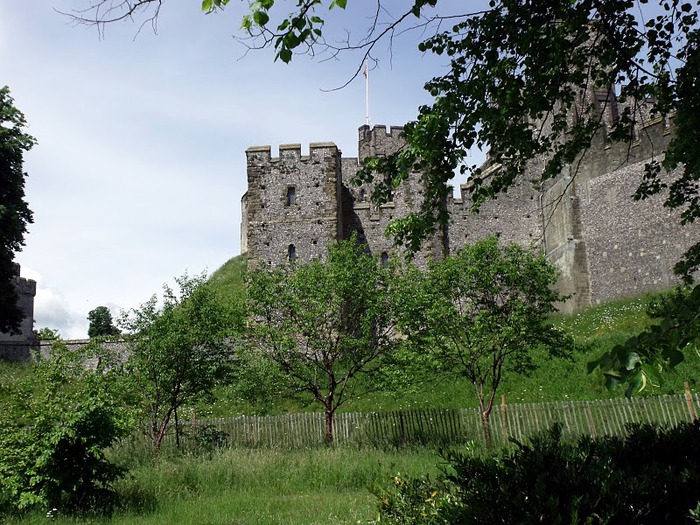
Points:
x=251 y=487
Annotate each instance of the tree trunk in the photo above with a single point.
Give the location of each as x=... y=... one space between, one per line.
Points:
x=486 y=424
x=328 y=438
x=177 y=429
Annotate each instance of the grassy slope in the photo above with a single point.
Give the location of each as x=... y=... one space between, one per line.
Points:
x=229 y=278
x=595 y=330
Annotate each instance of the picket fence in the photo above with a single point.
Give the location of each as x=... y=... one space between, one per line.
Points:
x=440 y=426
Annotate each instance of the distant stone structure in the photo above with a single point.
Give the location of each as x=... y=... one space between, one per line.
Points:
x=17 y=347
x=118 y=348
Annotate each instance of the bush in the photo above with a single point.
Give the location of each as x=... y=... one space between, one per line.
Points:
x=650 y=476
x=53 y=434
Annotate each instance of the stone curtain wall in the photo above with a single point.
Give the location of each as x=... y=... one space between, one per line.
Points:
x=606 y=245
x=514 y=216
x=631 y=245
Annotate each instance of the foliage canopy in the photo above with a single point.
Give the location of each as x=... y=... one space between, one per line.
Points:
x=179 y=349
x=54 y=430
x=647 y=476
x=14 y=211
x=101 y=323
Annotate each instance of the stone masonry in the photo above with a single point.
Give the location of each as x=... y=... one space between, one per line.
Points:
x=606 y=245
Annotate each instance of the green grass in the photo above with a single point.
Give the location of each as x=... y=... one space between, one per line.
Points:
x=251 y=487
x=229 y=279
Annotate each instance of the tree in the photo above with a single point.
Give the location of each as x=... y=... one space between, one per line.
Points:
x=101 y=323
x=48 y=334
x=325 y=324
x=481 y=312
x=54 y=429
x=14 y=211
x=179 y=350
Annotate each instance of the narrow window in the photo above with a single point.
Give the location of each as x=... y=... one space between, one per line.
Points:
x=362 y=196
x=291 y=196
x=384 y=259
x=292 y=253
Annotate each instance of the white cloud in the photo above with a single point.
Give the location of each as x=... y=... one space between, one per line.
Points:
x=51 y=310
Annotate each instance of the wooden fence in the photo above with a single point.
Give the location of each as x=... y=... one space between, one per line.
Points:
x=443 y=426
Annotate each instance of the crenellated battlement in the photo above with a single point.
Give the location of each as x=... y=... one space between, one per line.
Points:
x=378 y=141
x=290 y=153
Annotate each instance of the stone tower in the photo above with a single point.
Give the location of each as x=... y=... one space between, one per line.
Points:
x=293 y=207
x=17 y=347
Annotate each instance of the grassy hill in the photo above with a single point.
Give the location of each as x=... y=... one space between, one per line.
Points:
x=595 y=330
x=229 y=278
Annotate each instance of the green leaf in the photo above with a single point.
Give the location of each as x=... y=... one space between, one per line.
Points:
x=207 y=6
x=673 y=356
x=261 y=18
x=285 y=55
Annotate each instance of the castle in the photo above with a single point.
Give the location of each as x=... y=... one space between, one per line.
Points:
x=606 y=245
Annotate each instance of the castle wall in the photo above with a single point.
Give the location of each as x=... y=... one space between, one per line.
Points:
x=513 y=217
x=632 y=245
x=605 y=244
x=117 y=348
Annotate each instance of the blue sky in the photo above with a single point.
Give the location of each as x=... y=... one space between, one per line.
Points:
x=140 y=164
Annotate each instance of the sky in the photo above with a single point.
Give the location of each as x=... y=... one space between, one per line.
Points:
x=139 y=168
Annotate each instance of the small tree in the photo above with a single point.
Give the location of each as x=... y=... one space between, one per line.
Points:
x=101 y=323
x=479 y=311
x=324 y=323
x=180 y=350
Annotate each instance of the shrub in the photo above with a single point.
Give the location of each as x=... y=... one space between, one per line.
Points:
x=649 y=476
x=54 y=432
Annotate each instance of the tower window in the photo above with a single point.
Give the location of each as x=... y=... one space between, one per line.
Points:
x=384 y=259
x=291 y=196
x=292 y=253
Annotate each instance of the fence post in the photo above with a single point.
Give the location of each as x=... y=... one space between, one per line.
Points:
x=504 y=412
x=689 y=400
x=589 y=417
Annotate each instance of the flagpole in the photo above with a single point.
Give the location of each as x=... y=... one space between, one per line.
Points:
x=366 y=73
